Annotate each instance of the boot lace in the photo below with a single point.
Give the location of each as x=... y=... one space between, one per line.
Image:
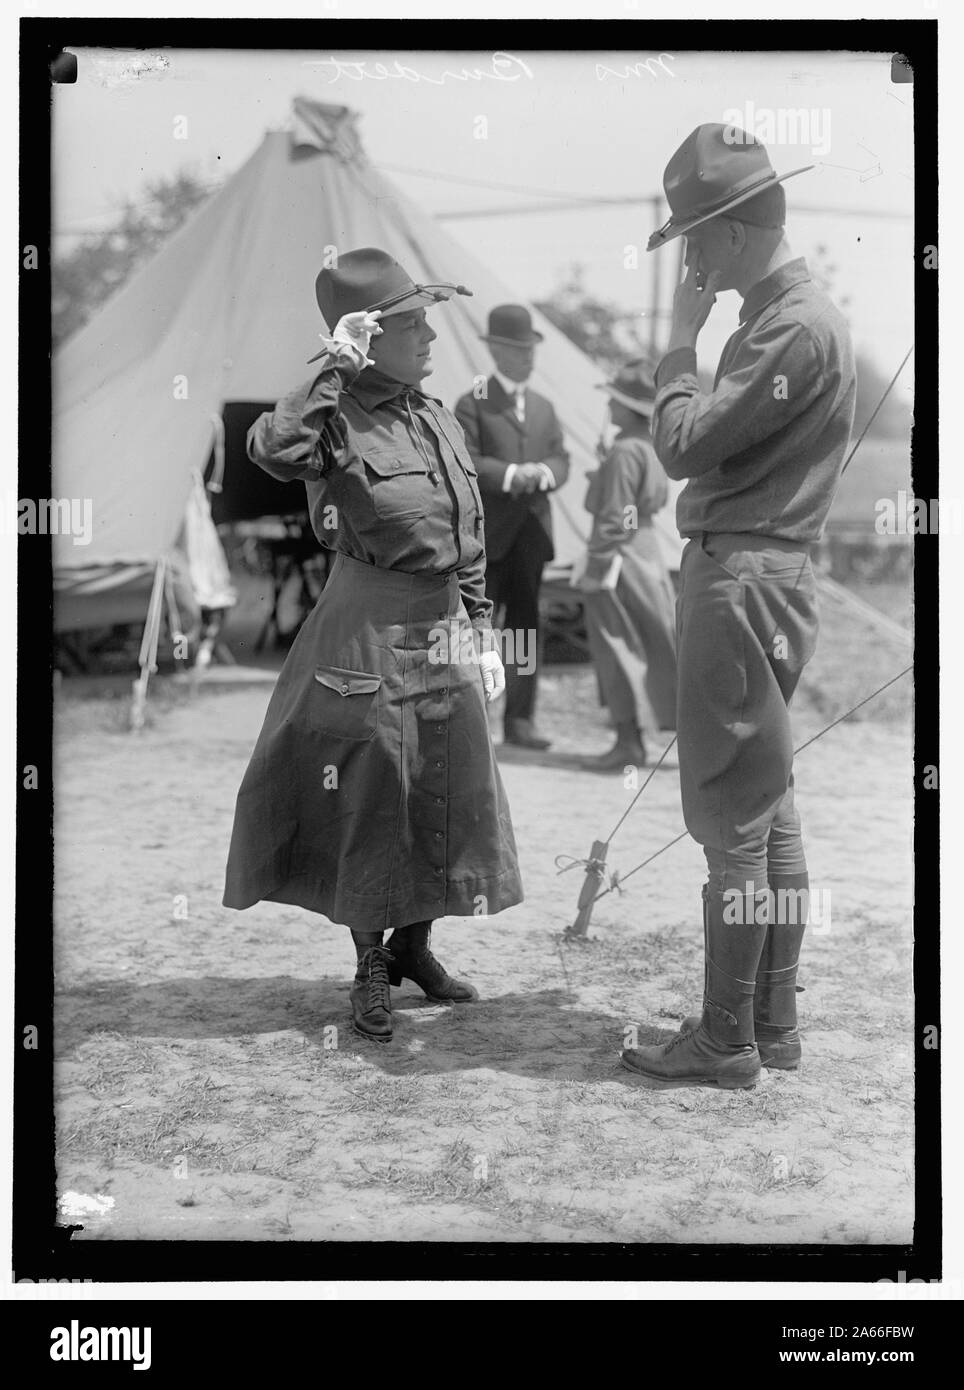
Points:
x=375 y=965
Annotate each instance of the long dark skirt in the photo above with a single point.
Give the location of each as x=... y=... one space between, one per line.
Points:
x=632 y=637
x=373 y=795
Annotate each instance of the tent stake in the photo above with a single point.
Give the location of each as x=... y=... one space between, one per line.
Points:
x=595 y=873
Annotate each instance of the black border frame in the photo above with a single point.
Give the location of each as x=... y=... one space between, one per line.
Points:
x=42 y=1249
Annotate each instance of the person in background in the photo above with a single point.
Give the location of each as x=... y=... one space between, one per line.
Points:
x=628 y=596
x=516 y=443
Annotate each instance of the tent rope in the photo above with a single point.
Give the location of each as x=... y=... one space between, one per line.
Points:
x=786 y=605
x=621 y=879
x=873 y=417
x=596 y=863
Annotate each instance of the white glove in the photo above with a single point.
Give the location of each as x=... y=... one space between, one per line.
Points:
x=493 y=675
x=357 y=330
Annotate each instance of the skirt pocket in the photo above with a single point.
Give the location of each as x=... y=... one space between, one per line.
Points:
x=344 y=703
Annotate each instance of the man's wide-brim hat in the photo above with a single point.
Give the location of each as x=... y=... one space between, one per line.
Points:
x=511 y=324
x=370 y=279
x=634 y=386
x=716 y=168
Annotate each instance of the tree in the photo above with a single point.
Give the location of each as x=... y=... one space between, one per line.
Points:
x=85 y=277
x=894 y=416
x=604 y=332
x=611 y=336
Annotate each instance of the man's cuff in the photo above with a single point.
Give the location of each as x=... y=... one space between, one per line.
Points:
x=507 y=478
x=598 y=566
x=679 y=362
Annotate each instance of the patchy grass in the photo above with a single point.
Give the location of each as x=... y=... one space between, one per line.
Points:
x=208 y=1080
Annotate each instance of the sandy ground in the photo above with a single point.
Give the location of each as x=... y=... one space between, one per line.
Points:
x=209 y=1085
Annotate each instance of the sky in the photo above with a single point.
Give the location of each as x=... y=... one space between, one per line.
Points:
x=560 y=126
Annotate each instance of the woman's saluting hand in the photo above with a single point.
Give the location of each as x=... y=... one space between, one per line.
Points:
x=358 y=329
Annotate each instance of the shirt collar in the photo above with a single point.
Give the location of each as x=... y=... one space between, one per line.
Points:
x=761 y=294
x=511 y=388
x=372 y=388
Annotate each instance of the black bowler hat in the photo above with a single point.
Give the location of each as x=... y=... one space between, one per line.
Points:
x=511 y=324
x=371 y=279
x=716 y=168
x=634 y=386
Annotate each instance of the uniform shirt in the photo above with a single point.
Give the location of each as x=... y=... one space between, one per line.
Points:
x=763 y=451
x=389 y=479
x=629 y=477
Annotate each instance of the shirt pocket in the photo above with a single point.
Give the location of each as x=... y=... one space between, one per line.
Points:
x=398 y=483
x=344 y=703
x=472 y=477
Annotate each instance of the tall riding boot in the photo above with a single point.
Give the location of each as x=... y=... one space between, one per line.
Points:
x=693 y=1021
x=721 y=1051
x=775 y=1007
x=628 y=750
x=775 y=1002
x=371 y=997
x=412 y=959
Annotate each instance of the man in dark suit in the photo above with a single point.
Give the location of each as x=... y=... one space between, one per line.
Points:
x=516 y=444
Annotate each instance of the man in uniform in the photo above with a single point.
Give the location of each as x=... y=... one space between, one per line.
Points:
x=762 y=453
x=515 y=441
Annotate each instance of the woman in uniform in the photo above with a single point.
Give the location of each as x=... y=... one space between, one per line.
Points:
x=628 y=596
x=373 y=795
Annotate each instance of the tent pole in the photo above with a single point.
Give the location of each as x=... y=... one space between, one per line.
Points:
x=216 y=482
x=174 y=620
x=148 y=653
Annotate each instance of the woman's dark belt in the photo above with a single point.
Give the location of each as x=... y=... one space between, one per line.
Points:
x=434 y=596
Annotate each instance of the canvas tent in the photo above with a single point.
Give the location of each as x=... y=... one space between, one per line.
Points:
x=226 y=313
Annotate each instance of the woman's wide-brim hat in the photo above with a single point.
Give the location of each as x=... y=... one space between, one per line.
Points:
x=370 y=279
x=511 y=324
x=634 y=386
x=716 y=168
